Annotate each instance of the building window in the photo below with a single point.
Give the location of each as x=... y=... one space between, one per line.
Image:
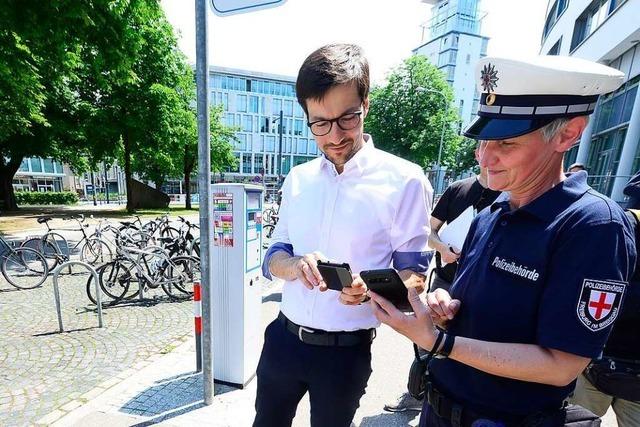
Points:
x=299 y=125
x=36 y=165
x=555 y=49
x=298 y=110
x=246 y=162
x=604 y=156
x=558 y=7
x=288 y=108
x=270 y=144
x=253 y=104
x=247 y=123
x=48 y=165
x=591 y=19
x=24 y=166
x=301 y=146
x=241 y=103
x=276 y=106
x=264 y=124
x=258 y=166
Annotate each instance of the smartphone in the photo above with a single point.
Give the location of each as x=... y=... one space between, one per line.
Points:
x=387 y=283
x=336 y=276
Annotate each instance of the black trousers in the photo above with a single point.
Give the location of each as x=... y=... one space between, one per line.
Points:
x=335 y=377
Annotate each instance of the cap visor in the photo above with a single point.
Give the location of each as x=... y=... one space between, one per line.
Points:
x=490 y=128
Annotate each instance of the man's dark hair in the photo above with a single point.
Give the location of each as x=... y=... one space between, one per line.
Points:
x=329 y=66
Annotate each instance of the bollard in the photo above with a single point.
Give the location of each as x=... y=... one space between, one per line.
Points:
x=56 y=290
x=197 y=311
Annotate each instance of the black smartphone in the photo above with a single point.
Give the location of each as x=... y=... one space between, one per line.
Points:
x=336 y=276
x=387 y=283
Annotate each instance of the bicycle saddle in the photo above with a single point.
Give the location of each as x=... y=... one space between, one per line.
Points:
x=44 y=219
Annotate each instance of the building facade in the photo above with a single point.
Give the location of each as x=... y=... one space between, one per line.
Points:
x=454 y=44
x=42 y=175
x=253 y=102
x=605 y=31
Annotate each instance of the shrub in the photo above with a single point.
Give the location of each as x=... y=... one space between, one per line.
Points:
x=48 y=198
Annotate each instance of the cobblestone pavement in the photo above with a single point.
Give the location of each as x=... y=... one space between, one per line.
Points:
x=44 y=371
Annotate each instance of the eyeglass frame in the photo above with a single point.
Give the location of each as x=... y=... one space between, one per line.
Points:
x=336 y=120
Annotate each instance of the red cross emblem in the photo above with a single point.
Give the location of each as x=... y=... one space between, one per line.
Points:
x=600 y=304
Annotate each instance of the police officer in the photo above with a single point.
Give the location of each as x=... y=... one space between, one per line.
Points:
x=543 y=270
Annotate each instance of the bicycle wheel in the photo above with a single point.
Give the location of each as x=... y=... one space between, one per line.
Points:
x=25 y=268
x=266 y=215
x=115 y=278
x=179 y=276
x=96 y=251
x=45 y=248
x=195 y=248
x=170 y=232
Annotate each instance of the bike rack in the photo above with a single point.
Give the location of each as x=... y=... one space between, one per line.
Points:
x=56 y=289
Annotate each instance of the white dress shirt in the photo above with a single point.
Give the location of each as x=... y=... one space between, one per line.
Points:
x=377 y=208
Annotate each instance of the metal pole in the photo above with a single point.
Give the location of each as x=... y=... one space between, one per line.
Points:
x=106 y=183
x=93 y=185
x=204 y=185
x=279 y=165
x=56 y=289
x=444 y=124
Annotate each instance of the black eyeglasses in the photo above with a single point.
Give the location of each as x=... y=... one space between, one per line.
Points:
x=345 y=122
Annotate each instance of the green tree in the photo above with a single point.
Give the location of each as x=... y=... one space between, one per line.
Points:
x=408 y=113
x=46 y=51
x=222 y=157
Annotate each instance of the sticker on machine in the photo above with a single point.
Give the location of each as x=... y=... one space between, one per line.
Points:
x=599 y=303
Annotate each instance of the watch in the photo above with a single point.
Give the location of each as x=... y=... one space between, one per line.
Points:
x=447 y=346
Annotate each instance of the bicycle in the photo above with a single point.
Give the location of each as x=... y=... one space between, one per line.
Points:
x=151 y=268
x=55 y=247
x=24 y=268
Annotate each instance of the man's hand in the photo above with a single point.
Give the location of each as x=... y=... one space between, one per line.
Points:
x=442 y=307
x=306 y=270
x=354 y=294
x=418 y=327
x=448 y=255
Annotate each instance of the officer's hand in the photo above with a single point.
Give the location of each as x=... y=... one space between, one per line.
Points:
x=306 y=270
x=450 y=254
x=442 y=306
x=356 y=293
x=418 y=327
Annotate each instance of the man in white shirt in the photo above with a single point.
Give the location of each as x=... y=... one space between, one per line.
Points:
x=358 y=205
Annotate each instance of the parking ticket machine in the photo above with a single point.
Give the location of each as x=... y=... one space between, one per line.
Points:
x=236 y=295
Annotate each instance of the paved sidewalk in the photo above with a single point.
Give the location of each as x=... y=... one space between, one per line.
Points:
x=167 y=391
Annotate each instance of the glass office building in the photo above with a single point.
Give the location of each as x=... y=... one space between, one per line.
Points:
x=252 y=102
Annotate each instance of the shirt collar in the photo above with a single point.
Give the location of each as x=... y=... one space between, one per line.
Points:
x=550 y=204
x=357 y=162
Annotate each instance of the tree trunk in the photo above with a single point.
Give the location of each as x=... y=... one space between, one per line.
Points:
x=127 y=171
x=158 y=184
x=7 y=195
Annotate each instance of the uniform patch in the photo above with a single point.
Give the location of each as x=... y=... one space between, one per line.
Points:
x=599 y=303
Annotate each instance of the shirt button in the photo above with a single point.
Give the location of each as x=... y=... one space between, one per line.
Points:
x=490 y=244
x=503 y=222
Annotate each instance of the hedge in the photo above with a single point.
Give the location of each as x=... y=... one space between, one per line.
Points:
x=48 y=198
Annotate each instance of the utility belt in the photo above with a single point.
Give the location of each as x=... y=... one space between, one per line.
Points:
x=616 y=377
x=319 y=337
x=459 y=416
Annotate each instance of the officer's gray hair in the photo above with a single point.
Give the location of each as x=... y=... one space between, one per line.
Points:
x=555 y=127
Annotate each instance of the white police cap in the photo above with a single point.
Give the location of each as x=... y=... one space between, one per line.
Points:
x=522 y=95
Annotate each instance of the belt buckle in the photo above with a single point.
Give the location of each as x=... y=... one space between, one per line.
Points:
x=301 y=329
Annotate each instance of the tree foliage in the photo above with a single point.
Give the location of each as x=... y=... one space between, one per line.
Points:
x=91 y=81
x=411 y=110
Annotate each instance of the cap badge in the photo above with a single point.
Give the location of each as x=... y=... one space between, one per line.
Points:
x=489 y=77
x=491 y=98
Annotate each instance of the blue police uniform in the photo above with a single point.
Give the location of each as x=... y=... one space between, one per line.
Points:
x=551 y=273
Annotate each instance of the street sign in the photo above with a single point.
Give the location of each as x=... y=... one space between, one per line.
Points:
x=234 y=7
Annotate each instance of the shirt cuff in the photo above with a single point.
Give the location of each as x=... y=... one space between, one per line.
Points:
x=415 y=261
x=276 y=247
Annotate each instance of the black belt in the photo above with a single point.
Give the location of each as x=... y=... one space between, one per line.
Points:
x=325 y=338
x=459 y=416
